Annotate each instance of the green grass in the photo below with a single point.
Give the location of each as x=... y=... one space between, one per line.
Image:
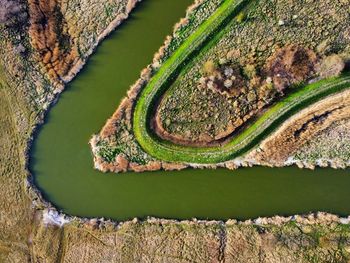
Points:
x=250 y=137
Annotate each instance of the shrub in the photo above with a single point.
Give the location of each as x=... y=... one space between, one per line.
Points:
x=209 y=67
x=241 y=17
x=331 y=66
x=290 y=65
x=11 y=12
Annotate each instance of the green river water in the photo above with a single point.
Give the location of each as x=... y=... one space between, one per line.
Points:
x=61 y=160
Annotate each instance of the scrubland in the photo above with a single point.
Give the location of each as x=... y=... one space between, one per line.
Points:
x=33 y=71
x=255 y=63
x=267 y=52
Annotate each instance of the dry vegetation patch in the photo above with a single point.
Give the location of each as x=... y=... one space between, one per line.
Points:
x=301 y=128
x=263 y=54
x=15 y=205
x=329 y=147
x=25 y=238
x=63 y=33
x=245 y=90
x=26 y=91
x=248 y=69
x=51 y=39
x=291 y=65
x=304 y=239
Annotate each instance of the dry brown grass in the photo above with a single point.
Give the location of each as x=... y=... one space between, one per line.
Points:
x=184 y=242
x=49 y=37
x=24 y=237
x=291 y=65
x=15 y=205
x=300 y=128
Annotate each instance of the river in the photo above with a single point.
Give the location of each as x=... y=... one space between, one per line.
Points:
x=61 y=160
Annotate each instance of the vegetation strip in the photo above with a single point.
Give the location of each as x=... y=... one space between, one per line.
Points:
x=269 y=121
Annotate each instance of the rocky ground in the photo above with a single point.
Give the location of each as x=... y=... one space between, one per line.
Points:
x=33 y=70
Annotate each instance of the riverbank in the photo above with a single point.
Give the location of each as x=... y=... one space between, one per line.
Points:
x=26 y=95
x=27 y=235
x=111 y=154
x=96 y=91
x=279 y=239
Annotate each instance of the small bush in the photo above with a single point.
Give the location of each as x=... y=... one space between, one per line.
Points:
x=11 y=12
x=331 y=66
x=209 y=67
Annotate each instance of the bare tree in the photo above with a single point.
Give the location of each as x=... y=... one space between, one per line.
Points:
x=11 y=12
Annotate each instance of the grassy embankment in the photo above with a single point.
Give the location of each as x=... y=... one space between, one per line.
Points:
x=268 y=122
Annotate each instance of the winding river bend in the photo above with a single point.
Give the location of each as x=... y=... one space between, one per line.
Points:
x=62 y=163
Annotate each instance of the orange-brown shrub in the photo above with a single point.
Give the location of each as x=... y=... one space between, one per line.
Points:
x=54 y=47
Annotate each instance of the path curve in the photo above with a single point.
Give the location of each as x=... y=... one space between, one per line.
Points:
x=260 y=129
